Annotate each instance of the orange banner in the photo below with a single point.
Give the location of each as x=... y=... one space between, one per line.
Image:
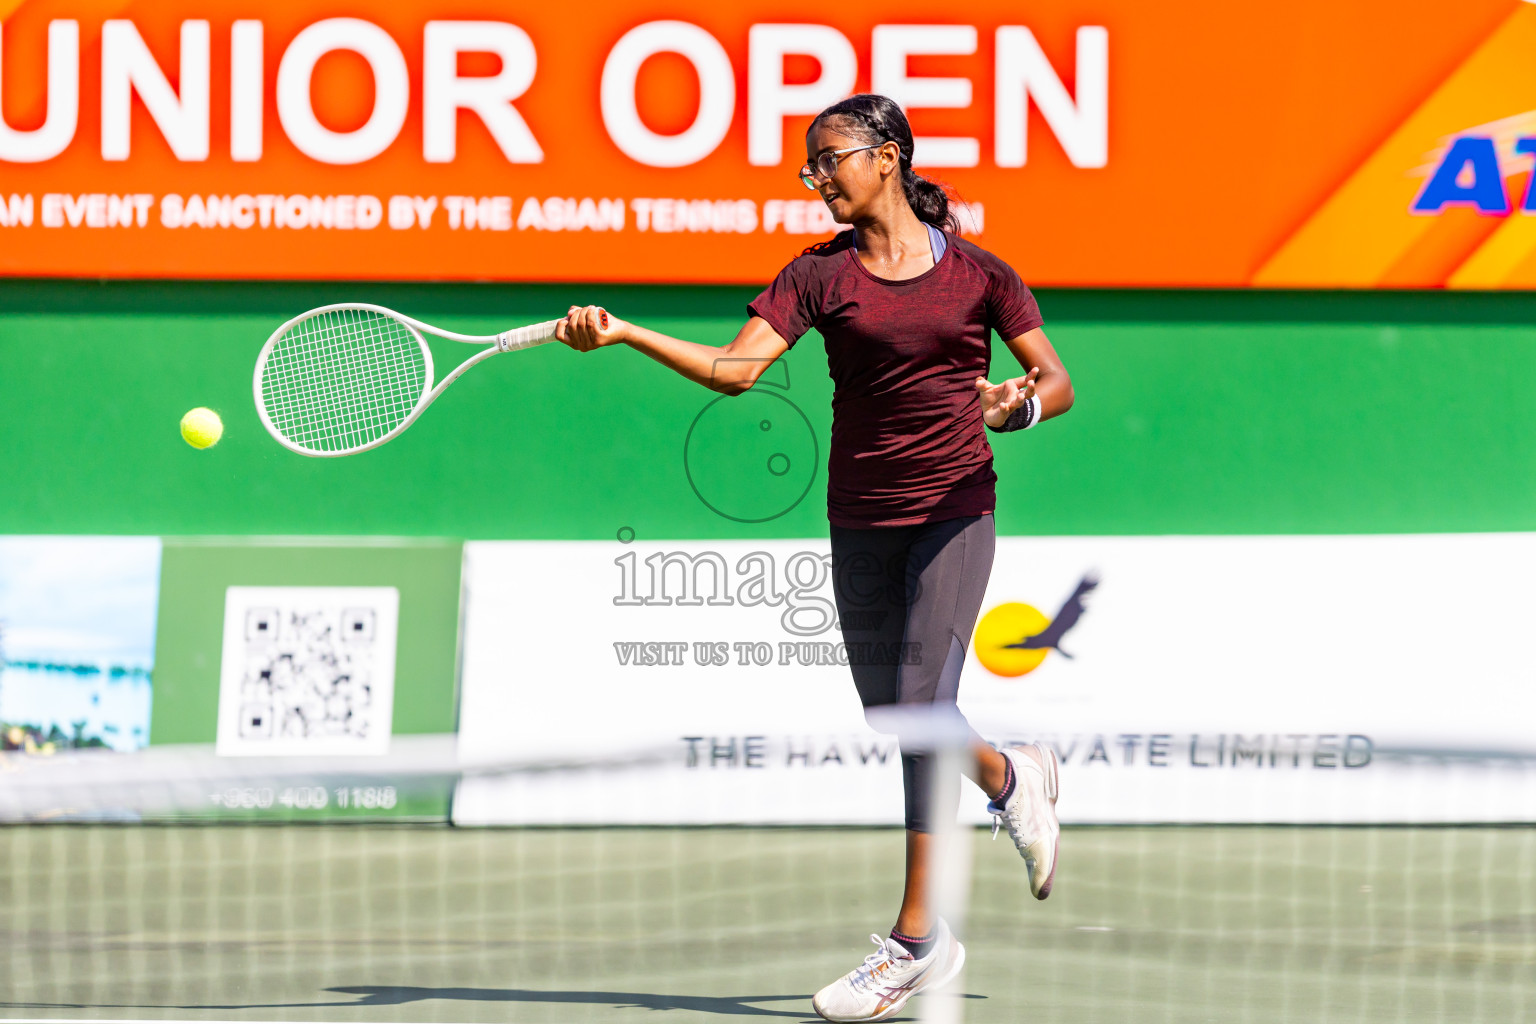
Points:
x=1095 y=142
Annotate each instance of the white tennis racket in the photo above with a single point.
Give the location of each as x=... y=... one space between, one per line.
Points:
x=342 y=379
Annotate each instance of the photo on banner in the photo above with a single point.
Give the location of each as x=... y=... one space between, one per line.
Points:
x=77 y=642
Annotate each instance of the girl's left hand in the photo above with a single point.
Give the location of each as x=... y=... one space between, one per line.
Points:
x=998 y=401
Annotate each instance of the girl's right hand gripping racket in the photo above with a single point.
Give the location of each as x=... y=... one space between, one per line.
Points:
x=342 y=379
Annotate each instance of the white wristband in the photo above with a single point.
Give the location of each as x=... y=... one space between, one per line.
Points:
x=1035 y=409
x=1022 y=418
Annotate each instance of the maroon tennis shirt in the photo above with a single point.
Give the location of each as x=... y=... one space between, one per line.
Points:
x=908 y=442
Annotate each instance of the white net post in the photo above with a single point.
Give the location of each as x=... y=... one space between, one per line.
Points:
x=949 y=879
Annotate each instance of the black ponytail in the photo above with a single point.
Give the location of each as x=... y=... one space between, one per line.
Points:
x=872 y=118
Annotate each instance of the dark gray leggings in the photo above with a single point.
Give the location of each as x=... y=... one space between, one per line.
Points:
x=907 y=598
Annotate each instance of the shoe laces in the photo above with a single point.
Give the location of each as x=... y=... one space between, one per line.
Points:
x=998 y=817
x=876 y=964
x=1015 y=818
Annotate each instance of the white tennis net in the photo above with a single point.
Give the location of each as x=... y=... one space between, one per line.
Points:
x=194 y=887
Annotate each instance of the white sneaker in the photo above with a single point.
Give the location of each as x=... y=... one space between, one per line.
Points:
x=880 y=986
x=1030 y=815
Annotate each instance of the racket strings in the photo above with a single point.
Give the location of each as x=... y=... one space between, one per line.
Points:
x=343 y=379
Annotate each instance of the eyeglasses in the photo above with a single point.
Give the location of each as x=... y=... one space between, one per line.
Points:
x=826 y=164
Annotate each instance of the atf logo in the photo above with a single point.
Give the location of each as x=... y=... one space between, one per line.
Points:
x=1444 y=201
x=1472 y=171
x=1013 y=639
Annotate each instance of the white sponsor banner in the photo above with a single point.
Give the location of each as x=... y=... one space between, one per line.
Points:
x=1358 y=678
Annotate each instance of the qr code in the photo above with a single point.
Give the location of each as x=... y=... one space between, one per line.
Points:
x=307 y=670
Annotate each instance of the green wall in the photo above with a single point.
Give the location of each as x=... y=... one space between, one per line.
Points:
x=1222 y=412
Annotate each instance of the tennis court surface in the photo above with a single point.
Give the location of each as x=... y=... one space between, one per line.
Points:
x=412 y=923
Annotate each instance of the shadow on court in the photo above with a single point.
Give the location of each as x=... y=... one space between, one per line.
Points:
x=396 y=995
x=740 y=1006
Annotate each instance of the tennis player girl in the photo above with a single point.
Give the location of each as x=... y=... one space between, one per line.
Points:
x=906 y=309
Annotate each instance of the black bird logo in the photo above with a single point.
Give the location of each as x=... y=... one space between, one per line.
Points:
x=1049 y=638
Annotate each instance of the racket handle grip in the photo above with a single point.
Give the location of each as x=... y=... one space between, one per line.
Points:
x=526 y=337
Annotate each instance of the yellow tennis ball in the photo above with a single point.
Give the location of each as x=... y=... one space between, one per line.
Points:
x=202 y=428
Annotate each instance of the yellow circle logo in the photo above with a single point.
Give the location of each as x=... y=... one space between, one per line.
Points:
x=999 y=633
x=1013 y=639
